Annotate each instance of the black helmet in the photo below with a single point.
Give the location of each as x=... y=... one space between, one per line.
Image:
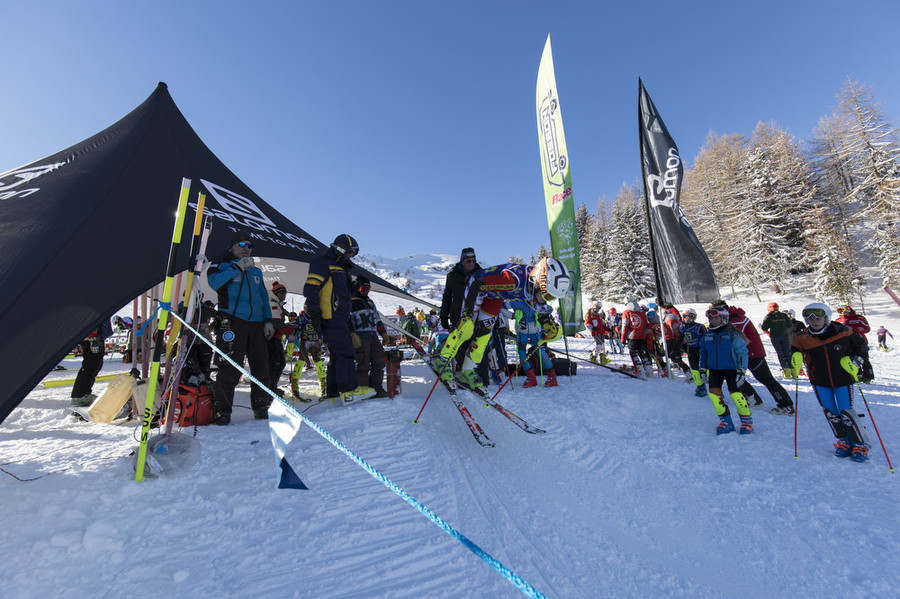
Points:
x=345 y=245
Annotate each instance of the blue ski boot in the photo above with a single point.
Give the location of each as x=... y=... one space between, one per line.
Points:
x=843 y=448
x=725 y=425
x=746 y=425
x=860 y=453
x=700 y=391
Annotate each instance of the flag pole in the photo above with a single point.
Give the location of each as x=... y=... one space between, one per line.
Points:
x=164 y=308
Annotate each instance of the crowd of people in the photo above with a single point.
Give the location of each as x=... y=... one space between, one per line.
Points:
x=467 y=339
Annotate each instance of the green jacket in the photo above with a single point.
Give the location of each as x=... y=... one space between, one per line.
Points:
x=777 y=324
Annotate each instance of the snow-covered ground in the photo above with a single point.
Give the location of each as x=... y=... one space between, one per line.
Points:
x=629 y=494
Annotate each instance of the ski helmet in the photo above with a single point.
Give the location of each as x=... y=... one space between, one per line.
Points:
x=551 y=278
x=845 y=309
x=772 y=306
x=595 y=305
x=345 y=245
x=363 y=284
x=633 y=306
x=721 y=312
x=816 y=310
x=689 y=313
x=790 y=312
x=652 y=305
x=612 y=311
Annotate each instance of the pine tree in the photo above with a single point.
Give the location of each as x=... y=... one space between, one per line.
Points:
x=629 y=269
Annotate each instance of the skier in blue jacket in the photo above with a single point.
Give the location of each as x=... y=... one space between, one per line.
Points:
x=723 y=356
x=243 y=327
x=691 y=334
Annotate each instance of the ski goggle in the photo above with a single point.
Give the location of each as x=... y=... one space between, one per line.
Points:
x=245 y=244
x=813 y=313
x=713 y=312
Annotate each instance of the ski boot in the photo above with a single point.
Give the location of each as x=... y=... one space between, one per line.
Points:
x=361 y=392
x=604 y=360
x=443 y=368
x=469 y=378
x=746 y=425
x=551 y=379
x=725 y=425
x=843 y=448
x=860 y=452
x=700 y=391
x=84 y=400
x=593 y=360
x=530 y=380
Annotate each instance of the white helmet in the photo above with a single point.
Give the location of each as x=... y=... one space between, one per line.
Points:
x=551 y=277
x=596 y=305
x=689 y=312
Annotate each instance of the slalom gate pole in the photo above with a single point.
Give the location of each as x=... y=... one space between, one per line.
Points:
x=174 y=377
x=518 y=366
x=436 y=381
x=874 y=426
x=161 y=328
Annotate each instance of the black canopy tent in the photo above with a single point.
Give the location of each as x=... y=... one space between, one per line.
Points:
x=60 y=277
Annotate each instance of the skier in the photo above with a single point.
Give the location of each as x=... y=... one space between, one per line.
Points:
x=277 y=362
x=848 y=317
x=327 y=292
x=778 y=325
x=489 y=288
x=692 y=332
x=826 y=347
x=883 y=334
x=529 y=321
x=309 y=348
x=366 y=328
x=723 y=355
x=453 y=299
x=595 y=324
x=93 y=348
x=243 y=327
x=614 y=324
x=757 y=362
x=672 y=330
x=634 y=334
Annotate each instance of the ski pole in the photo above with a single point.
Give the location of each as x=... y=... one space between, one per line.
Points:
x=797 y=364
x=416 y=419
x=518 y=366
x=852 y=369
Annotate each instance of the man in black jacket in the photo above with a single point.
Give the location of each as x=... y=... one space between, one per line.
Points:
x=454 y=297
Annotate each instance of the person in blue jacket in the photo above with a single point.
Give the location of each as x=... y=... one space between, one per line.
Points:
x=243 y=327
x=723 y=356
x=692 y=333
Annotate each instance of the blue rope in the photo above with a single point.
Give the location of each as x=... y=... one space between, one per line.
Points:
x=512 y=577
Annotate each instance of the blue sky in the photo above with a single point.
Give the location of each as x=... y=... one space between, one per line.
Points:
x=411 y=125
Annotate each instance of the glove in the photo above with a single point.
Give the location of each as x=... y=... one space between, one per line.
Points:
x=244 y=263
x=357 y=342
x=268 y=330
x=740 y=379
x=385 y=339
x=858 y=360
x=202 y=261
x=704 y=376
x=849 y=364
x=316 y=321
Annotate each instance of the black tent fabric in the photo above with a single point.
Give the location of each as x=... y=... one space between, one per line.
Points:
x=683 y=270
x=59 y=274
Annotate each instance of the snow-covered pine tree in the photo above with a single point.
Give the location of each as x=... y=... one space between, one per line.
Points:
x=584 y=224
x=629 y=267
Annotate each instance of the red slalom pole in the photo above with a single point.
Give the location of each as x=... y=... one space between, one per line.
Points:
x=796 y=409
x=416 y=419
x=869 y=410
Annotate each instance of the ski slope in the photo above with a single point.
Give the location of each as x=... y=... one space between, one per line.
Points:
x=629 y=494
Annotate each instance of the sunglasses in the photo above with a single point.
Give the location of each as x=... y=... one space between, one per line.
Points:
x=813 y=313
x=472 y=260
x=245 y=244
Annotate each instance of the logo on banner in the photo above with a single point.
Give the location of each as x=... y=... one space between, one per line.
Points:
x=243 y=212
x=664 y=188
x=556 y=164
x=11 y=182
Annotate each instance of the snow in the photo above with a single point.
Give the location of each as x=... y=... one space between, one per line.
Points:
x=629 y=494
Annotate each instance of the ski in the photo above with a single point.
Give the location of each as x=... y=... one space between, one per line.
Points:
x=513 y=417
x=69 y=382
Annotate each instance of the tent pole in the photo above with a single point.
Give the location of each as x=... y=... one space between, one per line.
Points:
x=161 y=328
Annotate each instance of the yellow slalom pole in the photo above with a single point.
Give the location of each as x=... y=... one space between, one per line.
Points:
x=161 y=328
x=189 y=284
